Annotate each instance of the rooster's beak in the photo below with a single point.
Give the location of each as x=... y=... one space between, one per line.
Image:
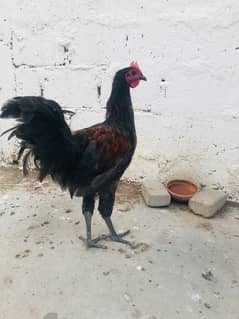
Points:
x=142 y=77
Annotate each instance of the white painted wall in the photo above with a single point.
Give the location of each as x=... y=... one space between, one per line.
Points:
x=187 y=113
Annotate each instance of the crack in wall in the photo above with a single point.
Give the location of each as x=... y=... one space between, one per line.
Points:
x=13 y=63
x=32 y=66
x=41 y=90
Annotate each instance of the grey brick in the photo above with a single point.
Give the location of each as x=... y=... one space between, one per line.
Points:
x=207 y=202
x=155 y=194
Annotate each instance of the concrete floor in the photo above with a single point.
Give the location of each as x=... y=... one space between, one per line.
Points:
x=183 y=266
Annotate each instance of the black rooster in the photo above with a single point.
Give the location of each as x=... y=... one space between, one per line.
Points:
x=87 y=162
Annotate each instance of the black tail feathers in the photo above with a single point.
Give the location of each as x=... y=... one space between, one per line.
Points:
x=44 y=135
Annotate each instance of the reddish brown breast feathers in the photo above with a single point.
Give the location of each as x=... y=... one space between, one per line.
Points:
x=110 y=142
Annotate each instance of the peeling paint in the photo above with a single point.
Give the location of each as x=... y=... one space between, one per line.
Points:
x=99 y=91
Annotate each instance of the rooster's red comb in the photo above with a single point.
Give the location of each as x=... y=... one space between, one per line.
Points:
x=135 y=65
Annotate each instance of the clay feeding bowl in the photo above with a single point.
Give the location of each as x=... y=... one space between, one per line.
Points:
x=181 y=190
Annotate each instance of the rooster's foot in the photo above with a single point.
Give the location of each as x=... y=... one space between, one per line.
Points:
x=93 y=244
x=114 y=237
x=118 y=238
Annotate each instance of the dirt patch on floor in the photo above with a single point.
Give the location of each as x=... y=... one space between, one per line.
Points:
x=128 y=192
x=9 y=178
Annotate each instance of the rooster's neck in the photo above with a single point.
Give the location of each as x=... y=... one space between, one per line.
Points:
x=120 y=112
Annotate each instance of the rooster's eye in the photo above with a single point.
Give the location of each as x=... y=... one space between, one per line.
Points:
x=134 y=72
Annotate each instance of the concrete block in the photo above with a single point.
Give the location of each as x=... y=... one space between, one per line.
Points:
x=37 y=48
x=62 y=85
x=207 y=202
x=7 y=83
x=155 y=194
x=8 y=149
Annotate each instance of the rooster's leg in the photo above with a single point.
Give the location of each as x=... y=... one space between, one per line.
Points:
x=88 y=209
x=114 y=236
x=106 y=203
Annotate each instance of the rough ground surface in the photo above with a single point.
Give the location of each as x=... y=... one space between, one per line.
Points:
x=183 y=266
